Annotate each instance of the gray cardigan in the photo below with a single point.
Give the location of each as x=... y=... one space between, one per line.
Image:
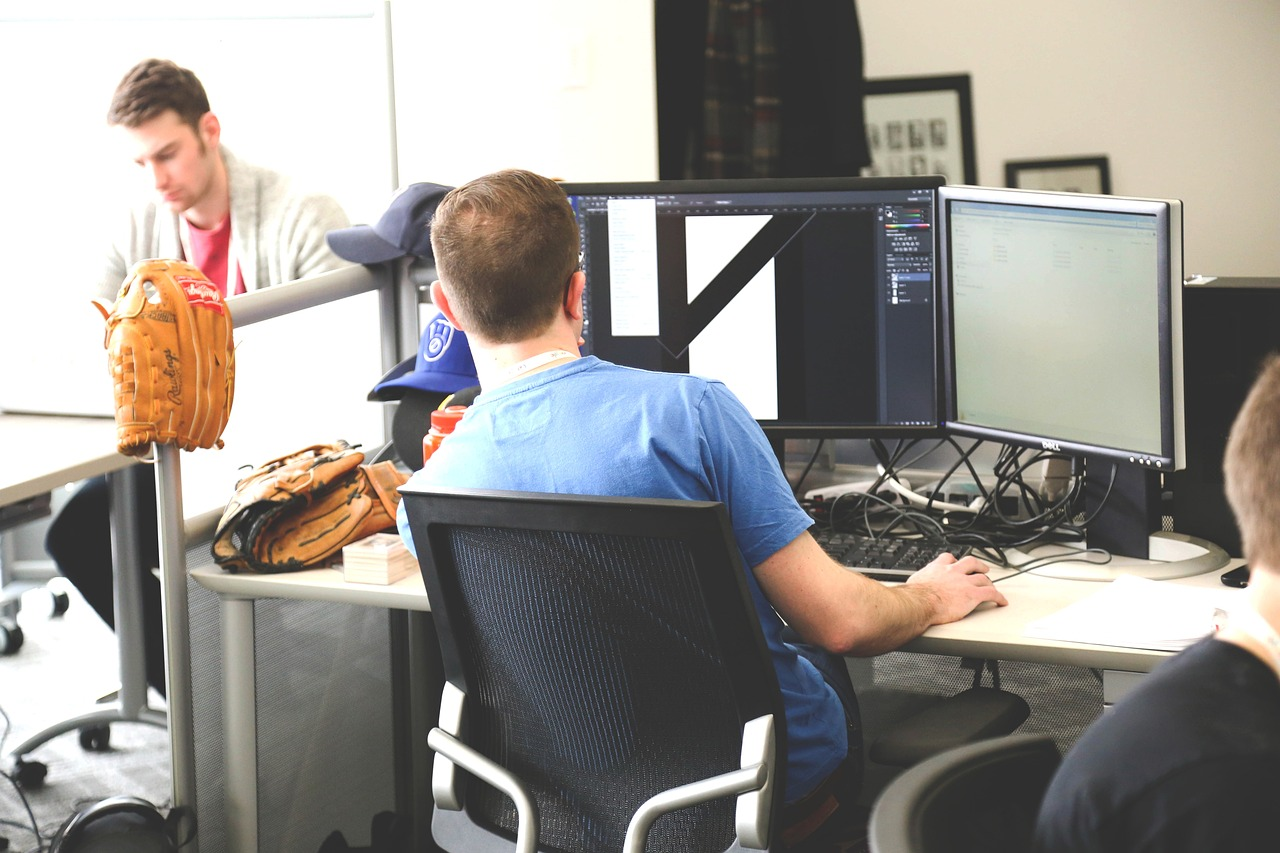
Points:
x=278 y=232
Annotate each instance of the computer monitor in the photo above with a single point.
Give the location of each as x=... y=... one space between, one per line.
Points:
x=814 y=300
x=1064 y=333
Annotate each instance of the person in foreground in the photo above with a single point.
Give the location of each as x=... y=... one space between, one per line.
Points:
x=1190 y=760
x=243 y=226
x=506 y=250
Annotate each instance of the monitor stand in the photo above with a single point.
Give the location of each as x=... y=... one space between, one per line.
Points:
x=1123 y=526
x=1169 y=555
x=1126 y=516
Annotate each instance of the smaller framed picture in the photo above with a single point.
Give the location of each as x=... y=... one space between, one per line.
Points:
x=920 y=126
x=1064 y=174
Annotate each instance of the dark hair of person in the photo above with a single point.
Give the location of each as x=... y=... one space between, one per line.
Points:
x=153 y=86
x=505 y=247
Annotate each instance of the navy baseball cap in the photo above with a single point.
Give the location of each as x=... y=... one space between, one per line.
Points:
x=404 y=229
x=443 y=364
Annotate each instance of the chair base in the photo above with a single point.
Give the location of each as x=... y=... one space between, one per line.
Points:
x=970 y=715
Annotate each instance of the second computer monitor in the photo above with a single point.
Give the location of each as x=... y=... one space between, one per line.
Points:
x=1065 y=321
x=813 y=300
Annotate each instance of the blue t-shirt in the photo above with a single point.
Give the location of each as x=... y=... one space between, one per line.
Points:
x=593 y=428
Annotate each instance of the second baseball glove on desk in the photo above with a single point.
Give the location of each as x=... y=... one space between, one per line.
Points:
x=298 y=511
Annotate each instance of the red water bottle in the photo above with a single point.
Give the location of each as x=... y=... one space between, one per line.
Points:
x=442 y=423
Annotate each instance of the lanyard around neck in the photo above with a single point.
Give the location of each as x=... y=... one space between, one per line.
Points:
x=535 y=361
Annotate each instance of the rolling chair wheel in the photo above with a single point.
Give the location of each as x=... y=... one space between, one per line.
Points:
x=10 y=637
x=95 y=738
x=30 y=774
x=61 y=603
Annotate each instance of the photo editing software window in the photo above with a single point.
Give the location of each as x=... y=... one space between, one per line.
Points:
x=815 y=305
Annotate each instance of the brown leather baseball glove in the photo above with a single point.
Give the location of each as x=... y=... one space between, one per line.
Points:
x=299 y=510
x=172 y=359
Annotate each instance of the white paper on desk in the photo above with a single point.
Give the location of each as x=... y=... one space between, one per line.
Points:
x=1140 y=613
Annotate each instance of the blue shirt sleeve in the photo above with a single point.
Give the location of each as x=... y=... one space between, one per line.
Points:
x=746 y=476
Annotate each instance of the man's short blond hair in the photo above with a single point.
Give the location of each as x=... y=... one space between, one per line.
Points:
x=1251 y=468
x=505 y=247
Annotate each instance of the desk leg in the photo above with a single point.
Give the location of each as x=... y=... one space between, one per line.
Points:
x=130 y=704
x=240 y=726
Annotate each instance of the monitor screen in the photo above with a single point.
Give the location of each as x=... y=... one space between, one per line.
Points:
x=814 y=300
x=1065 y=321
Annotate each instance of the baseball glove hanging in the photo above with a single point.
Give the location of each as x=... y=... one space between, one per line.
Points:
x=298 y=511
x=171 y=356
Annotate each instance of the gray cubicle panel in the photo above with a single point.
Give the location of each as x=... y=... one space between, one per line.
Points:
x=324 y=716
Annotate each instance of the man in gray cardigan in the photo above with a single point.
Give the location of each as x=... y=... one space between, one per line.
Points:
x=243 y=226
x=237 y=222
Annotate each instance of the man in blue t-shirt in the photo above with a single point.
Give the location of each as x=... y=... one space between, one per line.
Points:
x=548 y=420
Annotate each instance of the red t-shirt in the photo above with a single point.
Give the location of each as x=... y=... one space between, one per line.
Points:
x=210 y=250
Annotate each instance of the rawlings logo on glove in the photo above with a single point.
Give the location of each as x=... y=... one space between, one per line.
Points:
x=172 y=358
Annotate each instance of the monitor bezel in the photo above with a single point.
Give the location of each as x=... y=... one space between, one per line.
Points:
x=927 y=183
x=1168 y=215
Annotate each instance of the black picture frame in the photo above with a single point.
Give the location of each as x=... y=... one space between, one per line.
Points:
x=921 y=126
x=1090 y=174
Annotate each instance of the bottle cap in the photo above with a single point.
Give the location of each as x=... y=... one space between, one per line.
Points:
x=444 y=420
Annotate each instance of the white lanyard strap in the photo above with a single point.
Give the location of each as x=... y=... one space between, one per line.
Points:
x=535 y=361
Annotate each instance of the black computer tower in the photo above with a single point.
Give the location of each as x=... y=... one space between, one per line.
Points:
x=1229 y=326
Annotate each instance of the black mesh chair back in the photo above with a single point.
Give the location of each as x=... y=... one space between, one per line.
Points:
x=607 y=649
x=980 y=796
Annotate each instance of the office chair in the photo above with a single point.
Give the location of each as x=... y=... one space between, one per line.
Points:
x=981 y=796
x=606 y=675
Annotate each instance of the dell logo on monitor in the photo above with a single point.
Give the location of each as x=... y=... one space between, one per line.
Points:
x=1051 y=445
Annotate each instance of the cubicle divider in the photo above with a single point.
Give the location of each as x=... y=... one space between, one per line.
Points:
x=307 y=354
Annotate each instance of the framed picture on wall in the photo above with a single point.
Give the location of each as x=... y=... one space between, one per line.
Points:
x=920 y=126
x=1064 y=174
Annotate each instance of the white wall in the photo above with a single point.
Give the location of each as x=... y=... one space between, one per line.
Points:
x=562 y=87
x=1179 y=94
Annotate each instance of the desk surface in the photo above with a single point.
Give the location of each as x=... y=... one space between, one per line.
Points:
x=991 y=632
x=999 y=632
x=315 y=585
x=48 y=451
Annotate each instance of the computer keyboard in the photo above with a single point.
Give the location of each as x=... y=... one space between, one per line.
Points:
x=887 y=559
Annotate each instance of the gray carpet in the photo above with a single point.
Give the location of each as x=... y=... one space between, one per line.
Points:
x=64 y=664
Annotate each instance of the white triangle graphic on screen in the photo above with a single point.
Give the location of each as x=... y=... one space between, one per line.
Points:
x=740 y=345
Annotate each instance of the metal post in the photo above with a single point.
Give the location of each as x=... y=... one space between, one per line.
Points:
x=177 y=644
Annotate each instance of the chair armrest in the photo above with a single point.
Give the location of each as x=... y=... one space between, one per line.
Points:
x=488 y=771
x=755 y=778
x=733 y=782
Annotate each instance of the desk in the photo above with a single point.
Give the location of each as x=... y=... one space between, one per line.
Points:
x=51 y=452
x=998 y=633
x=993 y=632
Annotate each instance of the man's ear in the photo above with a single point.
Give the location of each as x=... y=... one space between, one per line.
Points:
x=574 y=294
x=210 y=130
x=441 y=301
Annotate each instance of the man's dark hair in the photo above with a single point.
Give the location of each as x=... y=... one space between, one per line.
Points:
x=153 y=86
x=505 y=247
